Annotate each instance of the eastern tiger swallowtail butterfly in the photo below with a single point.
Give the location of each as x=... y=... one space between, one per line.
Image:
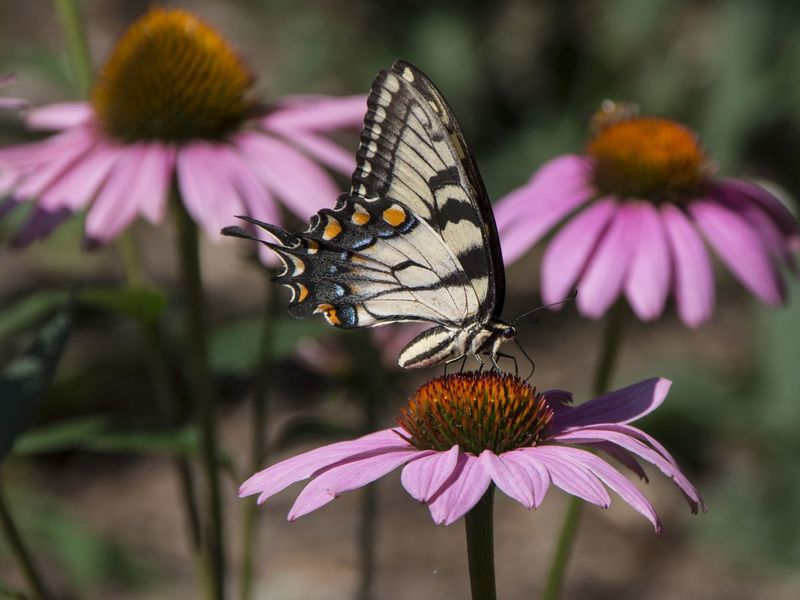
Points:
x=414 y=239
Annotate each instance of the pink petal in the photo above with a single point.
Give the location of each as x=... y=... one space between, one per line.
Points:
x=588 y=436
x=650 y=270
x=273 y=479
x=518 y=475
x=321 y=113
x=603 y=278
x=64 y=115
x=205 y=186
x=425 y=476
x=340 y=478
x=624 y=457
x=619 y=484
x=12 y=103
x=694 y=277
x=637 y=433
x=466 y=487
x=58 y=158
x=570 y=474
x=620 y=406
x=327 y=152
x=740 y=248
x=77 y=186
x=783 y=218
x=303 y=185
x=157 y=169
x=115 y=206
x=527 y=213
x=566 y=256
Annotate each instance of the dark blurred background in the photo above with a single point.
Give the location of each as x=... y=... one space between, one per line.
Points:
x=523 y=78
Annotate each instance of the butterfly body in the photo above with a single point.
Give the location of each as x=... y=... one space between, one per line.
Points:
x=413 y=240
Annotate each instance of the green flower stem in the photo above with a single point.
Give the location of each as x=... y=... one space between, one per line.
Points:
x=20 y=551
x=202 y=394
x=259 y=440
x=609 y=353
x=371 y=380
x=77 y=48
x=480 y=547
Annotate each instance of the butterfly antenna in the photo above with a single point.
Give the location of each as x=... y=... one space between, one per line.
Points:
x=526 y=355
x=571 y=297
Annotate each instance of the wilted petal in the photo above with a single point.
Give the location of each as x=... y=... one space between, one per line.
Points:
x=619 y=484
x=273 y=479
x=343 y=477
x=650 y=271
x=602 y=280
x=425 y=476
x=302 y=184
x=570 y=249
x=694 y=277
x=570 y=474
x=461 y=493
x=527 y=213
x=620 y=406
x=740 y=248
x=320 y=113
x=63 y=115
x=518 y=475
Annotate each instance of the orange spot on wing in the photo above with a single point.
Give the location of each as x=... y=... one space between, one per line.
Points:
x=332 y=229
x=303 y=292
x=361 y=217
x=394 y=215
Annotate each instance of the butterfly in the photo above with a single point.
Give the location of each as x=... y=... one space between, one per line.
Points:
x=413 y=240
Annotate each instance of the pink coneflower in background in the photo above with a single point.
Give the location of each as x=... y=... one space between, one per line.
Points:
x=638 y=206
x=173 y=104
x=10 y=103
x=461 y=433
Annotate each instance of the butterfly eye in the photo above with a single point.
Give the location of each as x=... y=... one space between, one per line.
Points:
x=509 y=333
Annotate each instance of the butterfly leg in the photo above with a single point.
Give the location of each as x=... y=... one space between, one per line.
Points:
x=463 y=360
x=504 y=355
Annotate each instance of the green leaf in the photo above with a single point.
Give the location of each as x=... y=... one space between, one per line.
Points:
x=25 y=379
x=66 y=435
x=235 y=348
x=142 y=304
x=30 y=310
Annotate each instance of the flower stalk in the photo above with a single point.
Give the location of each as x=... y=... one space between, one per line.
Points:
x=609 y=353
x=20 y=551
x=202 y=393
x=480 y=547
x=77 y=47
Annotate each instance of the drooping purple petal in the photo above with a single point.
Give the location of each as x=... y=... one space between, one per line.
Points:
x=115 y=206
x=206 y=190
x=740 y=248
x=568 y=252
x=527 y=213
x=63 y=115
x=570 y=474
x=39 y=223
x=425 y=476
x=273 y=479
x=756 y=215
x=621 y=406
x=158 y=168
x=588 y=436
x=602 y=280
x=518 y=475
x=694 y=277
x=638 y=434
x=619 y=484
x=650 y=270
x=320 y=113
x=302 y=184
x=465 y=487
x=783 y=218
x=348 y=475
x=624 y=457
x=78 y=184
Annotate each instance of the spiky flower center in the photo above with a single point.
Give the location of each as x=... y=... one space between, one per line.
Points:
x=478 y=411
x=171 y=77
x=648 y=158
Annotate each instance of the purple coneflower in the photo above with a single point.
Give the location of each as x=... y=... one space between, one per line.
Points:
x=462 y=433
x=173 y=103
x=10 y=103
x=639 y=204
